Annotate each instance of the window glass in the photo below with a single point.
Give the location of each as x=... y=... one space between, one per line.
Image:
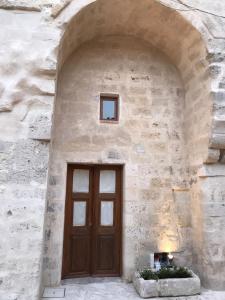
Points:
x=106 y=213
x=80 y=181
x=109 y=110
x=107 y=181
x=79 y=213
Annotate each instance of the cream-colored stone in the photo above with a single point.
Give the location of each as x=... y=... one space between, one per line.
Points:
x=213 y=156
x=81 y=81
x=37 y=37
x=167 y=287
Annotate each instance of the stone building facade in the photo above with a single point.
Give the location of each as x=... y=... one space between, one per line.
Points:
x=166 y=61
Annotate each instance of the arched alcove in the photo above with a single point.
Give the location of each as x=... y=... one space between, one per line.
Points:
x=180 y=81
x=167 y=30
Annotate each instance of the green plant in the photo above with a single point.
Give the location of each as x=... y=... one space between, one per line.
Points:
x=148 y=274
x=164 y=273
x=183 y=273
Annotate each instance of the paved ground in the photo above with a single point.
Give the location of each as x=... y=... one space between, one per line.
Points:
x=110 y=289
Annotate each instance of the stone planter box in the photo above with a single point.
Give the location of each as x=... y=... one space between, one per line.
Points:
x=171 y=287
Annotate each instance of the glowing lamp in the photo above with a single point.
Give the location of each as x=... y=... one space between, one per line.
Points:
x=170 y=256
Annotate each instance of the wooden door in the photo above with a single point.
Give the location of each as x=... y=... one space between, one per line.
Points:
x=92 y=230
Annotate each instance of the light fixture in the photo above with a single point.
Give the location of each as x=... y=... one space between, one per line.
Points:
x=170 y=256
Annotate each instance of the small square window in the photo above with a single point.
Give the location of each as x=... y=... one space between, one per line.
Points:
x=109 y=108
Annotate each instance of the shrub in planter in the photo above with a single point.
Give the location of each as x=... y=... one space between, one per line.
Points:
x=148 y=274
x=164 y=273
x=167 y=282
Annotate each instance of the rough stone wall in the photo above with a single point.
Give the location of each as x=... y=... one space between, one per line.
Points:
x=208 y=222
x=30 y=34
x=148 y=140
x=200 y=59
x=198 y=102
x=213 y=225
x=26 y=91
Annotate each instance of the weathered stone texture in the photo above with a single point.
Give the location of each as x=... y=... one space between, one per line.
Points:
x=40 y=128
x=150 y=126
x=174 y=287
x=189 y=54
x=55 y=6
x=115 y=289
x=213 y=156
x=213 y=227
x=22 y=190
x=31 y=34
x=26 y=71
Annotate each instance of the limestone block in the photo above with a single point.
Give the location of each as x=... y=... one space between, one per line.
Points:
x=54 y=293
x=182 y=202
x=113 y=154
x=215 y=70
x=53 y=6
x=47 y=67
x=5 y=107
x=40 y=128
x=218 y=97
x=37 y=86
x=218 y=125
x=20 y=5
x=218 y=104
x=216 y=57
x=214 y=7
x=179 y=286
x=217 y=141
x=211 y=170
x=222 y=83
x=2 y=88
x=212 y=156
x=214 y=210
x=28 y=162
x=167 y=287
x=222 y=156
x=145 y=288
x=218 y=108
x=215 y=25
x=57 y=8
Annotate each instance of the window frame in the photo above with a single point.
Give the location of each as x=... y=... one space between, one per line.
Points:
x=115 y=98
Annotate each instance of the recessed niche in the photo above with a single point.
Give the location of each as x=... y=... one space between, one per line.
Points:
x=160 y=259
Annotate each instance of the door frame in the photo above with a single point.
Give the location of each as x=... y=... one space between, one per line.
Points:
x=66 y=212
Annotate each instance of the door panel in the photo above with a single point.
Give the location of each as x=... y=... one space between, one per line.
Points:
x=81 y=254
x=92 y=231
x=107 y=231
x=105 y=250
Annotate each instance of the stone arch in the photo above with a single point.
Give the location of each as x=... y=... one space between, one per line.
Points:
x=164 y=28
x=167 y=30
